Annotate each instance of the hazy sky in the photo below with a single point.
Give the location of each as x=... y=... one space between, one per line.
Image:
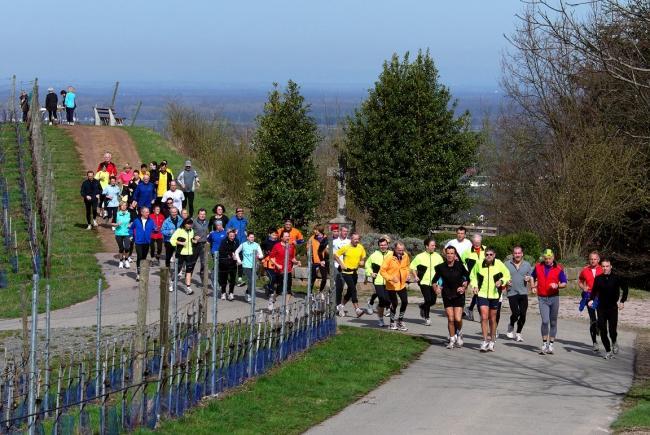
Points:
x=328 y=42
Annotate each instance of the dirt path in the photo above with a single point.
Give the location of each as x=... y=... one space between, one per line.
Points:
x=91 y=143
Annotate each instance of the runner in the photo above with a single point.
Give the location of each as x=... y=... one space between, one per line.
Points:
x=520 y=271
x=144 y=194
x=121 y=228
x=549 y=278
x=126 y=175
x=395 y=270
x=216 y=236
x=472 y=256
x=185 y=238
x=487 y=279
x=295 y=236
x=140 y=230
x=350 y=257
x=267 y=245
x=163 y=182
x=228 y=264
x=188 y=180
x=112 y=196
x=319 y=258
x=103 y=176
x=460 y=242
x=168 y=204
x=156 y=236
x=90 y=191
x=607 y=291
x=240 y=224
x=423 y=266
x=277 y=257
x=129 y=189
x=201 y=231
x=177 y=196
x=169 y=226
x=110 y=166
x=249 y=250
x=339 y=240
x=586 y=282
x=373 y=266
x=219 y=211
x=455 y=278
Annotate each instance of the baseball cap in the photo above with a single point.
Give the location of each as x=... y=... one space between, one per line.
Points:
x=548 y=253
x=188 y=163
x=334 y=227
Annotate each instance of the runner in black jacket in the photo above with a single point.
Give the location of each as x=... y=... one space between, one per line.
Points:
x=90 y=190
x=228 y=265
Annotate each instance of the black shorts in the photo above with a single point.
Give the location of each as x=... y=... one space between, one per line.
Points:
x=455 y=302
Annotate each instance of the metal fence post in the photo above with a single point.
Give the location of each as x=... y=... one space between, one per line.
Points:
x=253 y=320
x=310 y=281
x=99 y=336
x=285 y=281
x=31 y=408
x=213 y=345
x=46 y=403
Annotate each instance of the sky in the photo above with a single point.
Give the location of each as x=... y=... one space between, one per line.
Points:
x=329 y=43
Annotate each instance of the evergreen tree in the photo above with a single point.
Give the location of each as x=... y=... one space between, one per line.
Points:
x=284 y=177
x=406 y=151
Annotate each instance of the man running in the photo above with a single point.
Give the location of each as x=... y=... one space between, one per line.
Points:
x=320 y=265
x=339 y=240
x=350 y=257
x=90 y=192
x=295 y=236
x=250 y=252
x=184 y=241
x=111 y=168
x=267 y=245
x=520 y=271
x=228 y=265
x=586 y=282
x=607 y=290
x=201 y=230
x=549 y=278
x=163 y=181
x=455 y=279
x=177 y=196
x=240 y=224
x=277 y=258
x=460 y=242
x=188 y=179
x=423 y=266
x=373 y=266
x=140 y=230
x=472 y=256
x=169 y=226
x=487 y=279
x=395 y=270
x=144 y=194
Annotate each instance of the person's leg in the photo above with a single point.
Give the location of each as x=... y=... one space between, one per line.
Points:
x=427 y=293
x=189 y=199
x=89 y=208
x=248 y=271
x=94 y=203
x=392 y=297
x=349 y=284
x=523 y=309
x=323 y=277
x=613 y=325
x=169 y=252
x=338 y=281
x=404 y=301
x=223 y=277
x=602 y=325
x=484 y=310
x=554 y=311
x=513 y=301
x=190 y=262
x=493 y=322
x=473 y=303
x=458 y=320
x=384 y=302
x=545 y=313
x=152 y=248
x=232 y=279
x=593 y=324
x=451 y=321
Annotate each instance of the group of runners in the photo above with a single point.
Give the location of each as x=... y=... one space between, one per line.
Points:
x=150 y=209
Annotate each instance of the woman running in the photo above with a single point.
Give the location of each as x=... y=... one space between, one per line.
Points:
x=157 y=236
x=454 y=277
x=395 y=270
x=121 y=226
x=183 y=240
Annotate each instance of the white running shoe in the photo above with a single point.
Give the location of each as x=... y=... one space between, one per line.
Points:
x=121 y=266
x=341 y=310
x=484 y=346
x=595 y=347
x=452 y=342
x=223 y=296
x=359 y=312
x=370 y=306
x=519 y=338
x=89 y=227
x=393 y=326
x=427 y=322
x=127 y=263
x=95 y=223
x=550 y=348
x=615 y=348
x=459 y=340
x=401 y=326
x=491 y=346
x=510 y=333
x=608 y=355
x=231 y=297
x=381 y=323
x=189 y=290
x=544 y=349
x=113 y=229
x=248 y=298
x=171 y=287
x=137 y=277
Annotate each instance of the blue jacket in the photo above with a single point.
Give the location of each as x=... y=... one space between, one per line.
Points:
x=168 y=227
x=215 y=238
x=141 y=235
x=240 y=225
x=144 y=194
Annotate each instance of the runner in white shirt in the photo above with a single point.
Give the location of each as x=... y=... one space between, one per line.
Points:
x=175 y=194
x=339 y=239
x=460 y=242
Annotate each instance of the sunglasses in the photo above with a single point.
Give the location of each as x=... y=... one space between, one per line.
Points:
x=489 y=254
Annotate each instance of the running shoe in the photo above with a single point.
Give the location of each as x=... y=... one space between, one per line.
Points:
x=370 y=306
x=491 y=346
x=137 y=278
x=248 y=298
x=113 y=229
x=595 y=347
x=89 y=227
x=519 y=338
x=95 y=224
x=452 y=342
x=550 y=348
x=381 y=323
x=608 y=355
x=121 y=266
x=422 y=310
x=484 y=346
x=510 y=332
x=127 y=263
x=465 y=312
x=459 y=340
x=427 y=322
x=231 y=297
x=401 y=326
x=393 y=326
x=615 y=348
x=359 y=312
x=341 y=310
x=223 y=296
x=370 y=311
x=171 y=287
x=189 y=290
x=544 y=349
x=270 y=306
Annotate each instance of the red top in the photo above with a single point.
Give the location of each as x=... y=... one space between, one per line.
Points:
x=277 y=254
x=587 y=276
x=544 y=281
x=158 y=220
x=110 y=168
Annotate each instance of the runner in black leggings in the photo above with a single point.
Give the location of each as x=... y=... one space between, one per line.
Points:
x=395 y=270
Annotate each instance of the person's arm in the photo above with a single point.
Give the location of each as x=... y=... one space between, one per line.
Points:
x=506 y=274
x=385 y=271
x=473 y=280
x=368 y=268
x=260 y=254
x=563 y=279
x=174 y=240
x=625 y=289
x=236 y=254
x=533 y=280
x=338 y=254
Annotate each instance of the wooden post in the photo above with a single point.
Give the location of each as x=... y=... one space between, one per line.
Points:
x=117 y=85
x=205 y=260
x=164 y=305
x=23 y=309
x=137 y=110
x=138 y=366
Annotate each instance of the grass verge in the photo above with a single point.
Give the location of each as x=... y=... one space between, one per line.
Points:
x=635 y=417
x=308 y=390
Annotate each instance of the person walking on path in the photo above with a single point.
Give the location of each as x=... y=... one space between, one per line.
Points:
x=70 y=104
x=90 y=192
x=277 y=257
x=157 y=236
x=144 y=194
x=395 y=270
x=121 y=228
x=129 y=189
x=177 y=196
x=350 y=258
x=373 y=265
x=51 y=103
x=111 y=168
x=520 y=279
x=201 y=230
x=586 y=281
x=163 y=181
x=455 y=279
x=219 y=214
x=487 y=279
x=320 y=264
x=461 y=243
x=423 y=268
x=228 y=265
x=184 y=241
x=548 y=278
x=216 y=236
x=250 y=252
x=188 y=180
x=472 y=256
x=267 y=245
x=141 y=229
x=24 y=105
x=112 y=196
x=126 y=175
x=240 y=224
x=339 y=240
x=104 y=177
x=169 y=226
x=607 y=291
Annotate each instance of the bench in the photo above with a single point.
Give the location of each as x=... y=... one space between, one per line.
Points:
x=106 y=116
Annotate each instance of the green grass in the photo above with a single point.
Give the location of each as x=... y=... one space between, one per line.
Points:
x=308 y=390
x=74 y=267
x=636 y=405
x=153 y=147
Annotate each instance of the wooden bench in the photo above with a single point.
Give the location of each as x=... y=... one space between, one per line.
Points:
x=106 y=116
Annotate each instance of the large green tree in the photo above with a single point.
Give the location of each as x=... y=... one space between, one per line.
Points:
x=406 y=150
x=284 y=176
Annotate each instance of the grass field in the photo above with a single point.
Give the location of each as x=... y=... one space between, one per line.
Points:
x=308 y=390
x=635 y=417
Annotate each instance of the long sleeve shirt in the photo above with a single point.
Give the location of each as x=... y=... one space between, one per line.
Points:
x=607 y=288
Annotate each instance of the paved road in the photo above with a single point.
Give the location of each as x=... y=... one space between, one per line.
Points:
x=511 y=391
